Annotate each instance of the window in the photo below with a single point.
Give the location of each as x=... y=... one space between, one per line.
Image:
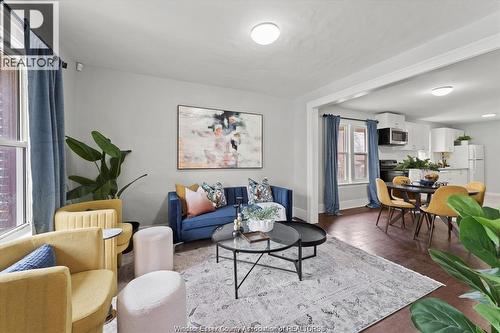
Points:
x=13 y=150
x=352 y=153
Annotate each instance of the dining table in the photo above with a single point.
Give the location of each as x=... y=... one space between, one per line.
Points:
x=419 y=190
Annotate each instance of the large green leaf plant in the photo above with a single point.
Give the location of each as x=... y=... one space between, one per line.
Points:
x=108 y=163
x=480 y=234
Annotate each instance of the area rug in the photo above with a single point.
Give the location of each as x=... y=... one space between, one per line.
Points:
x=344 y=289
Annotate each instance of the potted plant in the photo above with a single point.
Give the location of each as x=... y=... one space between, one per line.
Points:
x=260 y=219
x=464 y=140
x=480 y=235
x=417 y=168
x=108 y=164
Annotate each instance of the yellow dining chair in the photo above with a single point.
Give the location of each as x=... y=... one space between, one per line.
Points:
x=398 y=194
x=439 y=207
x=481 y=188
x=392 y=205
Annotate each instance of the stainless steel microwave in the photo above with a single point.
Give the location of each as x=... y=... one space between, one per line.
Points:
x=392 y=137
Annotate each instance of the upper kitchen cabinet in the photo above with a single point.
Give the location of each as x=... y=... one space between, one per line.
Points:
x=443 y=139
x=418 y=137
x=390 y=120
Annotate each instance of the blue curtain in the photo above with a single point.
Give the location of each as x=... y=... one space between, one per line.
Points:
x=331 y=196
x=373 y=163
x=46 y=134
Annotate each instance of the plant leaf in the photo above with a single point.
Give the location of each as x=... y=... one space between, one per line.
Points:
x=493 y=225
x=83 y=150
x=465 y=206
x=126 y=186
x=106 y=145
x=79 y=192
x=475 y=239
x=491 y=213
x=103 y=192
x=475 y=296
x=457 y=268
x=491 y=313
x=432 y=315
x=116 y=164
x=82 y=180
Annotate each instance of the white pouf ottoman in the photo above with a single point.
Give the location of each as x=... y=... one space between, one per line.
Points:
x=153 y=250
x=153 y=302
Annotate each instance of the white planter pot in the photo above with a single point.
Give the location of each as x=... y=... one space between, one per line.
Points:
x=464 y=142
x=261 y=225
x=415 y=174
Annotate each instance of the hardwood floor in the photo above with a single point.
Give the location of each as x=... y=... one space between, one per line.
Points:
x=357 y=227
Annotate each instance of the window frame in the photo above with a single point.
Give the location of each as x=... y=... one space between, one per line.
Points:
x=350 y=126
x=23 y=200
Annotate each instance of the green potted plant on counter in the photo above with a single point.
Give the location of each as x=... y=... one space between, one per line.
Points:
x=480 y=234
x=108 y=163
x=417 y=168
x=463 y=140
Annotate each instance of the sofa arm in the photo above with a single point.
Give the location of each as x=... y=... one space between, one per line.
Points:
x=175 y=215
x=284 y=197
x=36 y=300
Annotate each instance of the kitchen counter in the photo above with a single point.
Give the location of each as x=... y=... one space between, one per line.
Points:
x=451 y=168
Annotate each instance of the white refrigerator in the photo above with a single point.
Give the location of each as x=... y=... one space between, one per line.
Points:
x=469 y=157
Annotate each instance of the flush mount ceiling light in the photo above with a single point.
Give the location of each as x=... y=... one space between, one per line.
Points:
x=442 y=91
x=489 y=115
x=265 y=33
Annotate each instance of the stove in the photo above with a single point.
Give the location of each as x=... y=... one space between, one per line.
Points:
x=388 y=172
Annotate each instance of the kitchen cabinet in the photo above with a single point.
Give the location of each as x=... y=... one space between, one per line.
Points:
x=418 y=137
x=390 y=120
x=454 y=176
x=443 y=139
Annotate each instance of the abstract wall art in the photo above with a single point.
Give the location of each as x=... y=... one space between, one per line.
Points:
x=218 y=139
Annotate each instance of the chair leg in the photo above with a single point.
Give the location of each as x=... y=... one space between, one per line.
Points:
x=433 y=219
x=379 y=213
x=417 y=226
x=403 y=212
x=391 y=211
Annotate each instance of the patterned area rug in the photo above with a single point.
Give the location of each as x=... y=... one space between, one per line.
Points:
x=344 y=289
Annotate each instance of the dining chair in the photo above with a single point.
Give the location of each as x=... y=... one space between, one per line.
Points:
x=386 y=202
x=398 y=194
x=480 y=188
x=438 y=206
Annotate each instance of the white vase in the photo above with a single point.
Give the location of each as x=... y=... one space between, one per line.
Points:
x=464 y=142
x=261 y=225
x=415 y=174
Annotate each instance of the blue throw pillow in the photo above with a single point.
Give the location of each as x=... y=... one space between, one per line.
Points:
x=42 y=257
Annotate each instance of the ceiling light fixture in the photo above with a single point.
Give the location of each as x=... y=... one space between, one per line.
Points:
x=265 y=33
x=489 y=115
x=442 y=91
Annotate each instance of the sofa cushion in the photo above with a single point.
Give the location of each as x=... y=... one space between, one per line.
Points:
x=181 y=193
x=42 y=257
x=91 y=294
x=221 y=216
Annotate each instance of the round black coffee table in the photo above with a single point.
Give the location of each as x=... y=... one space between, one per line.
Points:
x=283 y=236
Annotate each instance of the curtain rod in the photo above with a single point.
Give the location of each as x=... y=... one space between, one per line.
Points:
x=346 y=118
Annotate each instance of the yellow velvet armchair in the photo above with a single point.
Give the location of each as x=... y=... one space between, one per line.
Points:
x=102 y=214
x=72 y=297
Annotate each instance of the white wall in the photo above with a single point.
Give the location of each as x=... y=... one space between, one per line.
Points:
x=139 y=112
x=487 y=133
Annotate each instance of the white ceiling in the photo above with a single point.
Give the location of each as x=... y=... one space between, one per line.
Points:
x=208 y=41
x=476 y=92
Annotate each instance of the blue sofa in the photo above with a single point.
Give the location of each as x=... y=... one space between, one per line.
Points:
x=202 y=226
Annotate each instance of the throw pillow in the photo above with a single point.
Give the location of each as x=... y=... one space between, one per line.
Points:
x=42 y=257
x=198 y=203
x=215 y=194
x=181 y=193
x=259 y=192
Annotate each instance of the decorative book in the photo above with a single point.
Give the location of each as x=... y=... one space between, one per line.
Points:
x=255 y=236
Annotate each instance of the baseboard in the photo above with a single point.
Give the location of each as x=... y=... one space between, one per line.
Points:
x=346 y=204
x=492 y=194
x=299 y=212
